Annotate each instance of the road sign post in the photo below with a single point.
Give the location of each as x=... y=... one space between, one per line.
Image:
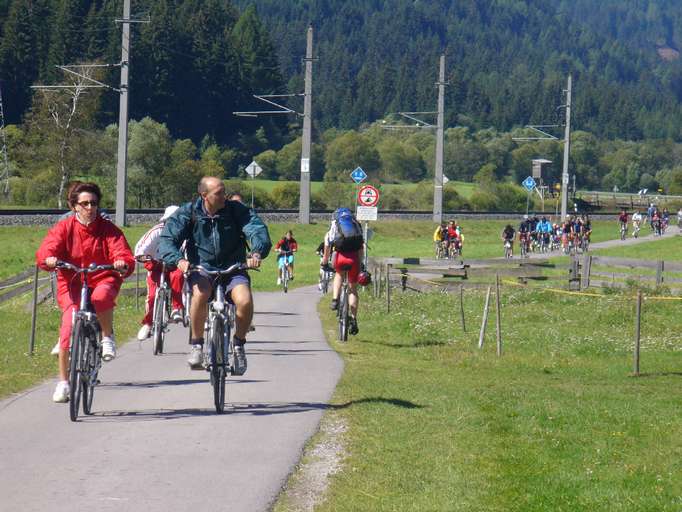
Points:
x=253 y=170
x=368 y=198
x=529 y=184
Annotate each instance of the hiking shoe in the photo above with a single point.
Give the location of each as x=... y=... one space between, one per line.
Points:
x=108 y=348
x=176 y=316
x=55 y=349
x=353 y=327
x=334 y=305
x=61 y=392
x=195 y=359
x=144 y=332
x=239 y=360
x=279 y=281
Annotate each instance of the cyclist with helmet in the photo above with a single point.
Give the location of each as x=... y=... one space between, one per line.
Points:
x=345 y=239
x=508 y=236
x=524 y=231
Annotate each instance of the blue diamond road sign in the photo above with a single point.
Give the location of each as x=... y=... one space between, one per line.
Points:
x=528 y=183
x=358 y=175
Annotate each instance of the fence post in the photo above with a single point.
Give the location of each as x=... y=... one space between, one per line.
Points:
x=388 y=288
x=34 y=312
x=498 y=318
x=638 y=317
x=574 y=273
x=659 y=273
x=485 y=318
x=403 y=279
x=587 y=268
x=461 y=308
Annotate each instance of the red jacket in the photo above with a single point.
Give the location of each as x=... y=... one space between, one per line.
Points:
x=101 y=242
x=286 y=245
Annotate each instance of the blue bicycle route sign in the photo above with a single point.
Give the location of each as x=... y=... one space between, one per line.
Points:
x=358 y=175
x=528 y=183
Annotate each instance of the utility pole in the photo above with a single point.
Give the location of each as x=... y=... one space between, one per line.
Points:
x=438 y=174
x=122 y=159
x=567 y=149
x=4 y=175
x=304 y=196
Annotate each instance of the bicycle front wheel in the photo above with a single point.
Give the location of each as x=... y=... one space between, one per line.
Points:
x=75 y=365
x=91 y=359
x=159 y=323
x=219 y=362
x=285 y=279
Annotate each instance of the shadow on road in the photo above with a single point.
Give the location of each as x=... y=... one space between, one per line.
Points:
x=241 y=408
x=159 y=383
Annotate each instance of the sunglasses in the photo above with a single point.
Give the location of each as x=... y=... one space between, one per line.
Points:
x=85 y=204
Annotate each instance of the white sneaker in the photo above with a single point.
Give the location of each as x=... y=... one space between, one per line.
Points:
x=319 y=286
x=55 y=349
x=176 y=316
x=144 y=332
x=61 y=392
x=195 y=358
x=108 y=348
x=279 y=281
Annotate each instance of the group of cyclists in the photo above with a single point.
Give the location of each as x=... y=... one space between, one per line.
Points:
x=658 y=221
x=539 y=234
x=210 y=233
x=448 y=240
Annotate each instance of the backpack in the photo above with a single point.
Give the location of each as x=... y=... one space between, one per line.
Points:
x=348 y=231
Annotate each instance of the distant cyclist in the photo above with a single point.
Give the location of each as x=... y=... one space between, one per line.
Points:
x=508 y=236
x=524 y=231
x=286 y=247
x=637 y=220
x=623 y=221
x=345 y=238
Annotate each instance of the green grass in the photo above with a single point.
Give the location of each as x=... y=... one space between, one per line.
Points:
x=666 y=249
x=557 y=423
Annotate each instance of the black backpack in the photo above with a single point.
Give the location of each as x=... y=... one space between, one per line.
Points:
x=348 y=231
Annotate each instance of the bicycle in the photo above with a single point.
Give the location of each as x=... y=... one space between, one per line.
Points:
x=326 y=275
x=623 y=230
x=285 y=270
x=221 y=322
x=162 y=309
x=524 y=243
x=440 y=252
x=507 y=249
x=86 y=344
x=635 y=230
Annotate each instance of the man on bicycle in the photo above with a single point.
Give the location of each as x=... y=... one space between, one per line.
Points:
x=623 y=221
x=347 y=246
x=524 y=231
x=636 y=223
x=212 y=228
x=146 y=250
x=286 y=246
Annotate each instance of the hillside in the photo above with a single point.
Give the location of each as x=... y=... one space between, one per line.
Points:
x=507 y=60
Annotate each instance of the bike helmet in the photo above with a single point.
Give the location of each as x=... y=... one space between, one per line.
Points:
x=364 y=278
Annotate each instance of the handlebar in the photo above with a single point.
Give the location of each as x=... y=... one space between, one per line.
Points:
x=85 y=270
x=226 y=272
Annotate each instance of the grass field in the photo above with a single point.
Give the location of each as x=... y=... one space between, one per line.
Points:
x=668 y=249
x=557 y=423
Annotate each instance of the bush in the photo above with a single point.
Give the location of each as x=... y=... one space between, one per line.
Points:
x=285 y=195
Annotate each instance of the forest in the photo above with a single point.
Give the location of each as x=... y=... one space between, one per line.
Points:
x=193 y=63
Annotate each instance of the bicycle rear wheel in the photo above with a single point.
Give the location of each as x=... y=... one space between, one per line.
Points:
x=343 y=315
x=285 y=279
x=219 y=361
x=75 y=364
x=159 y=321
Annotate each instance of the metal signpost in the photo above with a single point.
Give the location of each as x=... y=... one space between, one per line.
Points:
x=529 y=184
x=253 y=170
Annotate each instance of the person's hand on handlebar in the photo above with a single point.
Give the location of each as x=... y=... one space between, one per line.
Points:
x=120 y=265
x=183 y=265
x=51 y=262
x=254 y=260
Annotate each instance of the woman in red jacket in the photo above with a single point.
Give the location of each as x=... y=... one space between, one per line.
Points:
x=82 y=239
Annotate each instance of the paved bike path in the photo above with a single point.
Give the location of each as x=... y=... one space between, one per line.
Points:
x=155 y=443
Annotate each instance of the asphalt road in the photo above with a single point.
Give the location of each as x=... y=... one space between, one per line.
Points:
x=155 y=442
